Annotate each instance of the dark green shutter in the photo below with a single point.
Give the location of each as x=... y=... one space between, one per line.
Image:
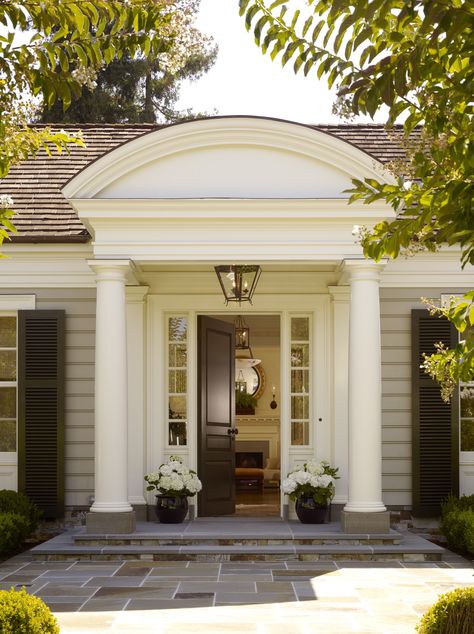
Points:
x=41 y=409
x=435 y=423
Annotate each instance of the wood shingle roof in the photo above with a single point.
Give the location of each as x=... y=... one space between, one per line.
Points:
x=44 y=215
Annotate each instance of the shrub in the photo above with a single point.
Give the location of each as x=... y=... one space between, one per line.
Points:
x=457 y=522
x=21 y=613
x=453 y=613
x=14 y=529
x=452 y=503
x=18 y=503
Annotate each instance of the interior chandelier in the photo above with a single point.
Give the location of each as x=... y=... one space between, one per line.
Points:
x=238 y=281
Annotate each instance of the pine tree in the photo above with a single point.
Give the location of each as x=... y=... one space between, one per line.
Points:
x=138 y=89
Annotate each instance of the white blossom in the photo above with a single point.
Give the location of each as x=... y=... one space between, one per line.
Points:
x=6 y=201
x=176 y=483
x=324 y=480
x=301 y=477
x=165 y=483
x=315 y=479
x=288 y=485
x=174 y=478
x=315 y=468
x=86 y=76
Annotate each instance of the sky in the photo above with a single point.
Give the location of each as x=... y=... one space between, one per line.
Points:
x=243 y=81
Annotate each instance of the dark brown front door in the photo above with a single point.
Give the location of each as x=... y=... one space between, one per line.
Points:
x=216 y=406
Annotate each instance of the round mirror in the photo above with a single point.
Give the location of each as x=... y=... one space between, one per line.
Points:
x=254 y=377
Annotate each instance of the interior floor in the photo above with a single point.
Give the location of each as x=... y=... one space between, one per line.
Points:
x=257 y=503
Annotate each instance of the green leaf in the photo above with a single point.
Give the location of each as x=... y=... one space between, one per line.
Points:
x=276 y=4
x=317 y=30
x=243 y=4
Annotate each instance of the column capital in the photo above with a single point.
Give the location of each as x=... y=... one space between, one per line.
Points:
x=361 y=269
x=111 y=269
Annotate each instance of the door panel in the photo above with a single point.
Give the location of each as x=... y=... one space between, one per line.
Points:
x=216 y=417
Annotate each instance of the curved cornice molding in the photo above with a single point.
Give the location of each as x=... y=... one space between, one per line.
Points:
x=228 y=131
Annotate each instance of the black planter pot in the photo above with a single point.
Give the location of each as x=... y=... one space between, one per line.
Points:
x=171 y=509
x=309 y=512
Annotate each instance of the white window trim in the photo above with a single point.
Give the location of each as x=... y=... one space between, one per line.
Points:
x=14 y=303
x=9 y=306
x=176 y=448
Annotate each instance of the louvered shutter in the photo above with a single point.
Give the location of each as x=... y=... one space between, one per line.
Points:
x=435 y=423
x=41 y=409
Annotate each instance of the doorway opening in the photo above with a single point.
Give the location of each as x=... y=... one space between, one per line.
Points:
x=257 y=470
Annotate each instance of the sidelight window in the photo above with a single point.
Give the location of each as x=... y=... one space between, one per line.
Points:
x=177 y=380
x=300 y=362
x=8 y=383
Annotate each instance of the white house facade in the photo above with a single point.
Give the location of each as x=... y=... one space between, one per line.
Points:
x=121 y=250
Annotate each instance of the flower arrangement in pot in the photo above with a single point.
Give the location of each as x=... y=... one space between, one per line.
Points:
x=312 y=488
x=174 y=483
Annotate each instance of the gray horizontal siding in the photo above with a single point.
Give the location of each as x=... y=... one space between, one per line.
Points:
x=79 y=305
x=396 y=305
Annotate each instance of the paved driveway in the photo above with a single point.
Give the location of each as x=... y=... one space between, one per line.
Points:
x=237 y=597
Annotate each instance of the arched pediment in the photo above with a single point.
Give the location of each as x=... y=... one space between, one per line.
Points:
x=227 y=157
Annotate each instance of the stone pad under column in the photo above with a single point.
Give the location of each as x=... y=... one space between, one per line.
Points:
x=365 y=522
x=110 y=522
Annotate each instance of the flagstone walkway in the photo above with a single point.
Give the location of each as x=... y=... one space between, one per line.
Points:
x=184 y=597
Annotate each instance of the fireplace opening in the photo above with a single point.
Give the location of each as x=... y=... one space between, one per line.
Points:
x=249 y=460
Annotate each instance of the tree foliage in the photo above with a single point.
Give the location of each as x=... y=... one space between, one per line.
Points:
x=133 y=91
x=416 y=59
x=450 y=366
x=50 y=49
x=140 y=89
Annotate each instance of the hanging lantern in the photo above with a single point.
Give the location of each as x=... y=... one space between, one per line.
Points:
x=242 y=334
x=238 y=281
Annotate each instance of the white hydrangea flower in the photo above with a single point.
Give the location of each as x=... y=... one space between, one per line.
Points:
x=302 y=477
x=324 y=480
x=174 y=476
x=176 y=483
x=314 y=468
x=288 y=485
x=165 y=483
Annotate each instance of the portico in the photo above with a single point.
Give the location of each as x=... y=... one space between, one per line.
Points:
x=160 y=233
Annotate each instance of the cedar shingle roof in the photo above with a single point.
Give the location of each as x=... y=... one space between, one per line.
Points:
x=44 y=215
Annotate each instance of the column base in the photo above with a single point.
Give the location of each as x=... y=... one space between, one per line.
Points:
x=365 y=522
x=105 y=523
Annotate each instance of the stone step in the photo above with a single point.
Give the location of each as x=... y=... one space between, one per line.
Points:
x=409 y=550
x=228 y=539
x=138 y=539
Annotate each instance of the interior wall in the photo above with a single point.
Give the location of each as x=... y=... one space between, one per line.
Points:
x=265 y=423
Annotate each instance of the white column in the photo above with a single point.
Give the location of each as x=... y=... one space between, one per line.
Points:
x=340 y=332
x=365 y=390
x=110 y=388
x=136 y=362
